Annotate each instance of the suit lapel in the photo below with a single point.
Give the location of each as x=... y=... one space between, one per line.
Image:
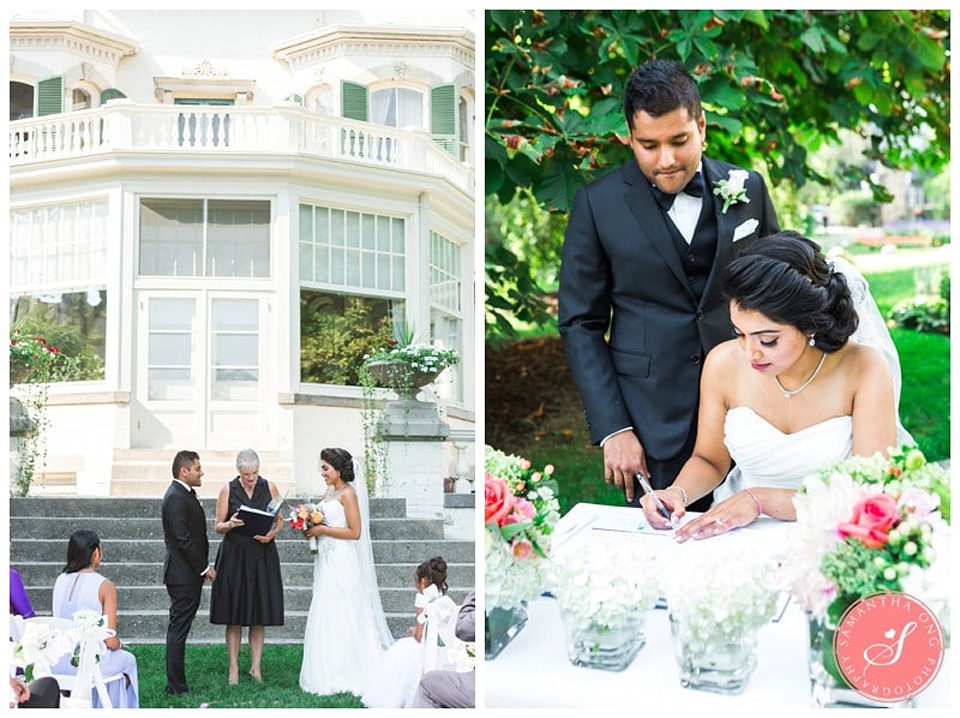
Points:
x=651 y=221
x=725 y=226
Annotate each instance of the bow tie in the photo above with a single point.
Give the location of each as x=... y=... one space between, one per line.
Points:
x=694 y=187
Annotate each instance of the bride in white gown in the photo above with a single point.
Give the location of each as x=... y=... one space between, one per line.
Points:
x=346 y=628
x=792 y=392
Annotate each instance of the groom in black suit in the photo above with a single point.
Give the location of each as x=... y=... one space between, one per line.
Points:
x=186 y=565
x=642 y=258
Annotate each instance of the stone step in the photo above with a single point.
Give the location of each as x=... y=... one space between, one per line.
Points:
x=47 y=507
x=152 y=528
x=150 y=627
x=397 y=575
x=295 y=598
x=292 y=548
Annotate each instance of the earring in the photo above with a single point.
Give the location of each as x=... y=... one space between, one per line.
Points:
x=813 y=341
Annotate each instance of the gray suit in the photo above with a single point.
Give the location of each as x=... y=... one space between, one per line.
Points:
x=453 y=689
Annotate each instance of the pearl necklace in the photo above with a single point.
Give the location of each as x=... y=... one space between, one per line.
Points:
x=787 y=393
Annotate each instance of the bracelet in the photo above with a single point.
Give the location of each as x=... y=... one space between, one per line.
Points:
x=754 y=497
x=683 y=493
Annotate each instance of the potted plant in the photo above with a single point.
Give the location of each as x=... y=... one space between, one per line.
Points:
x=407 y=364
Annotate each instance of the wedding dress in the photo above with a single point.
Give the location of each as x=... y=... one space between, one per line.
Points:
x=767 y=457
x=346 y=631
x=394 y=684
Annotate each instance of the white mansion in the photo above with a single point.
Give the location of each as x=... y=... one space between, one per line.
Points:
x=217 y=213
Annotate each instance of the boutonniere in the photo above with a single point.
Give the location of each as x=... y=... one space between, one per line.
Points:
x=732 y=189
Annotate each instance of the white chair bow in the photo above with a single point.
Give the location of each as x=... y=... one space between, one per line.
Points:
x=438 y=616
x=45 y=640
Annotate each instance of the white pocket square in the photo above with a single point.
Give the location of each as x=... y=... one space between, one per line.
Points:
x=745 y=229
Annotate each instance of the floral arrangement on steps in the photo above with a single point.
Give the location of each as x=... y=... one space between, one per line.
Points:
x=866 y=526
x=520 y=513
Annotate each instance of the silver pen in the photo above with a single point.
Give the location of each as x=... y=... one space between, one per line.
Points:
x=647 y=488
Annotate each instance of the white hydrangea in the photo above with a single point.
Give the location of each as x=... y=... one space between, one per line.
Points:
x=717 y=592
x=603 y=582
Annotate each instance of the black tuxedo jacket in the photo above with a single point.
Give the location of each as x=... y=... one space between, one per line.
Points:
x=185 y=536
x=621 y=273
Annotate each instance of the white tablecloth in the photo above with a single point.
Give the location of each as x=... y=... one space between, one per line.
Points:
x=533 y=670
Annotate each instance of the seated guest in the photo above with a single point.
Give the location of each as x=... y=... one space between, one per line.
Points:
x=453 y=689
x=19 y=601
x=41 y=693
x=81 y=587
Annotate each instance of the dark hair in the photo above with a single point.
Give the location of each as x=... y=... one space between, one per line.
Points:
x=786 y=277
x=182 y=460
x=341 y=460
x=80 y=550
x=435 y=571
x=659 y=87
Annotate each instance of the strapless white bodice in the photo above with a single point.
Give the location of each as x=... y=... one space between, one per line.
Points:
x=765 y=456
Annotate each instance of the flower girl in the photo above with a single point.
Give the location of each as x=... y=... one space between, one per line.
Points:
x=394 y=683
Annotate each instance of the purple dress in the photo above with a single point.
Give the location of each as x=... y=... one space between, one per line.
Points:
x=19 y=601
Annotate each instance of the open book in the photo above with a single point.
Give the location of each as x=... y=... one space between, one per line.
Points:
x=256 y=522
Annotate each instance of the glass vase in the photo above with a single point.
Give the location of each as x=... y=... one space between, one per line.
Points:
x=828 y=687
x=501 y=626
x=595 y=645
x=718 y=658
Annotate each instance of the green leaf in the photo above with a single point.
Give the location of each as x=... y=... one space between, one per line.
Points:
x=864 y=93
x=929 y=53
x=758 y=18
x=812 y=38
x=560 y=180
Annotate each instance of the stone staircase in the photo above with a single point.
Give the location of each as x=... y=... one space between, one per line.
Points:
x=131 y=535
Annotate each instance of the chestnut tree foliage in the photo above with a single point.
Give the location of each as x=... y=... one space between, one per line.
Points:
x=776 y=86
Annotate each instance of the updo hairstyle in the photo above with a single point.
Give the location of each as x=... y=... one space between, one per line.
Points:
x=341 y=460
x=434 y=571
x=786 y=278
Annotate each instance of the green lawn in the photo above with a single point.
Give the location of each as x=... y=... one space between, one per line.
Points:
x=924 y=406
x=207 y=677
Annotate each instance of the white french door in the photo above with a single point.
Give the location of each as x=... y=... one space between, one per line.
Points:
x=199 y=374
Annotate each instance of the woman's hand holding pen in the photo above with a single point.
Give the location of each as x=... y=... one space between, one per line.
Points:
x=671 y=501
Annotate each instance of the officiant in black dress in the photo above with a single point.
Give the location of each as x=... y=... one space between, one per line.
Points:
x=248 y=590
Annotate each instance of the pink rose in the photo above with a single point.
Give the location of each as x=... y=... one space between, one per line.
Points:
x=522 y=511
x=522 y=548
x=872 y=520
x=549 y=469
x=498 y=500
x=524 y=464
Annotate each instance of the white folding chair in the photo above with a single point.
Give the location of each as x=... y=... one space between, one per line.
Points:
x=16 y=627
x=69 y=683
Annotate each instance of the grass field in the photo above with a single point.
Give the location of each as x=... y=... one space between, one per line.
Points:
x=207 y=677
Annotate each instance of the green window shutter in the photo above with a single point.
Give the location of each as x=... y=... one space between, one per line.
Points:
x=111 y=93
x=50 y=96
x=443 y=117
x=354 y=101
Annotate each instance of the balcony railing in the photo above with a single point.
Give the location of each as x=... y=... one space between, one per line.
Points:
x=189 y=129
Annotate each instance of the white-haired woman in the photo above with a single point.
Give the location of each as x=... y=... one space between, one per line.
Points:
x=248 y=590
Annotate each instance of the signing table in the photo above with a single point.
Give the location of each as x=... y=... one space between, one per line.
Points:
x=533 y=670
